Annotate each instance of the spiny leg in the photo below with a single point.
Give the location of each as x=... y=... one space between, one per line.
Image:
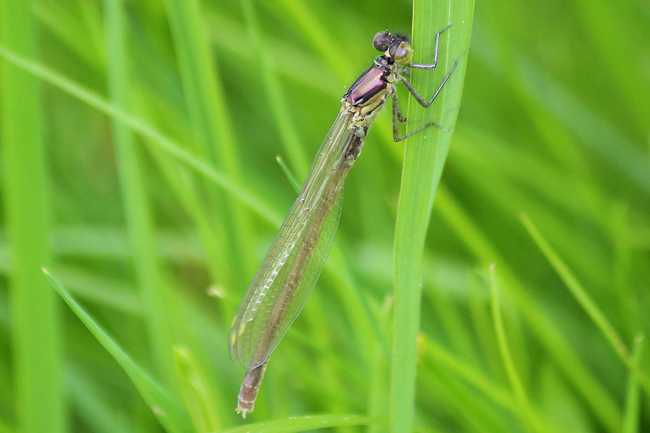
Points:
x=397 y=111
x=396 y=117
x=435 y=54
x=419 y=98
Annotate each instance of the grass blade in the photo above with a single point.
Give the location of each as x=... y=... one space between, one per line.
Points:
x=586 y=302
x=167 y=410
x=196 y=392
x=299 y=424
x=292 y=180
x=164 y=143
x=424 y=159
x=212 y=127
x=527 y=413
x=279 y=106
x=632 y=407
x=39 y=401
x=547 y=332
x=140 y=227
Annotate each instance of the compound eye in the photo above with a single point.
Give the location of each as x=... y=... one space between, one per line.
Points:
x=381 y=41
x=403 y=54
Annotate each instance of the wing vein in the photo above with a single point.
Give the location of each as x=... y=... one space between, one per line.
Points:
x=297 y=255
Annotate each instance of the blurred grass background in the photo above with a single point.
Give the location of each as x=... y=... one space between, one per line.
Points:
x=157 y=239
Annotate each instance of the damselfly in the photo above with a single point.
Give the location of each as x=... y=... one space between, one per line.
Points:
x=296 y=258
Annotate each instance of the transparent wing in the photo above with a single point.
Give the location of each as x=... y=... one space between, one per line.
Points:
x=297 y=256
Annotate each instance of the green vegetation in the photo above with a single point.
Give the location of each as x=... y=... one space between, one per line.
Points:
x=138 y=161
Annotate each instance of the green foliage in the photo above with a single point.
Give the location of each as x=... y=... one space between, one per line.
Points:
x=160 y=124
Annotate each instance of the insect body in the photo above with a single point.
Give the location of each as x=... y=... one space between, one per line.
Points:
x=297 y=256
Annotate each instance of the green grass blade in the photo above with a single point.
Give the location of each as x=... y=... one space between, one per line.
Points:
x=63 y=23
x=431 y=352
x=527 y=413
x=39 y=402
x=474 y=414
x=93 y=407
x=424 y=159
x=305 y=423
x=292 y=180
x=159 y=139
x=632 y=407
x=167 y=410
x=212 y=127
x=318 y=36
x=204 y=94
x=278 y=104
x=583 y=298
x=196 y=392
x=140 y=227
x=548 y=334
